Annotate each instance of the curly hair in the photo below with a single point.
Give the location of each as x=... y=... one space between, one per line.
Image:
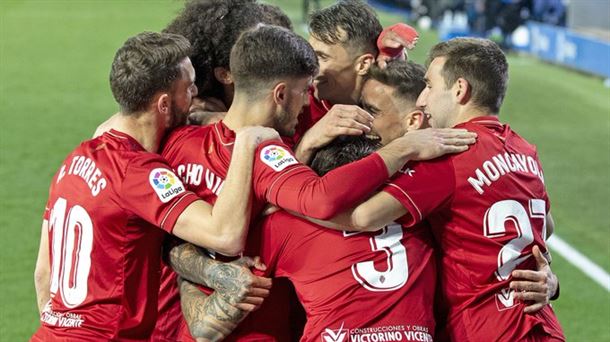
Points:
x=213 y=27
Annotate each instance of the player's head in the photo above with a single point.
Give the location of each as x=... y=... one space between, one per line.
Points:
x=344 y=37
x=273 y=15
x=343 y=150
x=390 y=94
x=151 y=72
x=212 y=27
x=464 y=74
x=273 y=65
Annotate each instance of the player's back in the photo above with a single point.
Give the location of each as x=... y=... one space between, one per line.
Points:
x=354 y=285
x=497 y=213
x=104 y=256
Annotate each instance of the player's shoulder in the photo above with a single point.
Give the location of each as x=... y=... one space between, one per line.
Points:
x=276 y=155
x=186 y=132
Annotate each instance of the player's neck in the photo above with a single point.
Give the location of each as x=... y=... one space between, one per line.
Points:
x=469 y=112
x=245 y=112
x=144 y=128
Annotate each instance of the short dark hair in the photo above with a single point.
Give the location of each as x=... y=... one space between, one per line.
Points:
x=146 y=64
x=479 y=61
x=407 y=78
x=269 y=53
x=343 y=150
x=357 y=19
x=212 y=27
x=273 y=15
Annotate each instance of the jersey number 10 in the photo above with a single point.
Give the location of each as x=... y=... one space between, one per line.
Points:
x=72 y=240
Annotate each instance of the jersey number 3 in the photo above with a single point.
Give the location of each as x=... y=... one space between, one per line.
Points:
x=72 y=239
x=397 y=271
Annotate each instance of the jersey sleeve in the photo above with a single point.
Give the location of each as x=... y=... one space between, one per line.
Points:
x=152 y=191
x=281 y=180
x=421 y=188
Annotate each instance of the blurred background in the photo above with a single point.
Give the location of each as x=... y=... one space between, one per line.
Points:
x=55 y=57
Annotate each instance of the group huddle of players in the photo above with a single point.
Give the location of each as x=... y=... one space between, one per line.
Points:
x=386 y=201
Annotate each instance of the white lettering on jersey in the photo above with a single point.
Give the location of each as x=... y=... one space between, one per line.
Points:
x=277 y=157
x=500 y=165
x=193 y=174
x=86 y=169
x=166 y=184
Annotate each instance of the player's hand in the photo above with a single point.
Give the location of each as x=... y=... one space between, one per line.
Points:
x=536 y=287
x=256 y=134
x=430 y=143
x=202 y=118
x=239 y=286
x=340 y=120
x=393 y=41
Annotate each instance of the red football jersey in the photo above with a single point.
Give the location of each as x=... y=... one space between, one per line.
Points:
x=105 y=206
x=201 y=157
x=487 y=208
x=354 y=286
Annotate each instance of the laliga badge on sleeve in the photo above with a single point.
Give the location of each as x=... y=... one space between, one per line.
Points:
x=277 y=157
x=166 y=184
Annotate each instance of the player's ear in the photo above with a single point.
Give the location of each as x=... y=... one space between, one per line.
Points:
x=163 y=104
x=462 y=91
x=223 y=75
x=414 y=120
x=279 y=93
x=363 y=63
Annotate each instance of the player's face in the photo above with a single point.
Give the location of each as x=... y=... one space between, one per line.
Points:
x=182 y=94
x=295 y=97
x=337 y=79
x=436 y=99
x=377 y=98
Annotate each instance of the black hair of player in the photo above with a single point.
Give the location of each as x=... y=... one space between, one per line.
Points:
x=268 y=54
x=343 y=150
x=406 y=77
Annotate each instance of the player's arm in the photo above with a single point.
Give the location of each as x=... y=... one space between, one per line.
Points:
x=325 y=197
x=42 y=271
x=233 y=280
x=223 y=227
x=541 y=286
x=209 y=318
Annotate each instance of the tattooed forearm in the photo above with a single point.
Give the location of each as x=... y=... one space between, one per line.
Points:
x=210 y=318
x=232 y=280
x=192 y=263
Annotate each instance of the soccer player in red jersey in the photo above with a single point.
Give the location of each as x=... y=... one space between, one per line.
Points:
x=488 y=206
x=272 y=68
x=97 y=272
x=354 y=286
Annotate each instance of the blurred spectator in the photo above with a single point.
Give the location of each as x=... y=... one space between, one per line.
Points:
x=552 y=12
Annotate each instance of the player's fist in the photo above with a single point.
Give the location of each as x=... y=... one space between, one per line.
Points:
x=246 y=291
x=393 y=40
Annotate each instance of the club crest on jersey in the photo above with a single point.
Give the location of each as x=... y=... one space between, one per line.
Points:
x=332 y=335
x=165 y=183
x=277 y=157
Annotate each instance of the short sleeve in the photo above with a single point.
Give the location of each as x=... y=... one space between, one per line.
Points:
x=422 y=188
x=152 y=191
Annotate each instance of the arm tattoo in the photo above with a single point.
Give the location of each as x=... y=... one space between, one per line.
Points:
x=191 y=262
x=230 y=279
x=208 y=317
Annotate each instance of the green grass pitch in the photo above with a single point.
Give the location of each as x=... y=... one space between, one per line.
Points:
x=55 y=57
